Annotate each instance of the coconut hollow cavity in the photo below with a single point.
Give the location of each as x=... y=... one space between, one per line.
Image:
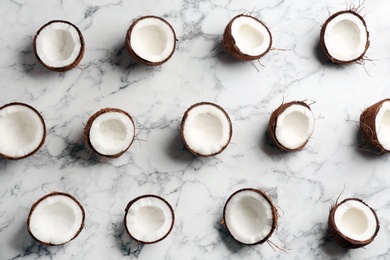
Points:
x=375 y=126
x=247 y=38
x=206 y=129
x=250 y=216
x=344 y=37
x=59 y=45
x=22 y=131
x=149 y=219
x=56 y=219
x=291 y=125
x=110 y=132
x=151 y=40
x=352 y=223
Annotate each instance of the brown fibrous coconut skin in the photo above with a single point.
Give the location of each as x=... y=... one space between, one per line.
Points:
x=45 y=197
x=273 y=123
x=322 y=38
x=343 y=240
x=274 y=214
x=142 y=197
x=135 y=55
x=88 y=126
x=229 y=42
x=183 y=121
x=44 y=131
x=78 y=58
x=368 y=126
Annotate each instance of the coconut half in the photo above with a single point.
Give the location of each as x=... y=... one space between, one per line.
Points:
x=56 y=219
x=151 y=40
x=291 y=125
x=59 y=45
x=344 y=37
x=149 y=219
x=110 y=132
x=352 y=223
x=247 y=38
x=206 y=129
x=375 y=126
x=250 y=216
x=22 y=131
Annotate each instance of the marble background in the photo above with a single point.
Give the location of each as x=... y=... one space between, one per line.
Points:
x=303 y=184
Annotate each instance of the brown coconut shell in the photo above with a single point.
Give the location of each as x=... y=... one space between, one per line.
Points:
x=322 y=38
x=135 y=55
x=45 y=197
x=274 y=214
x=44 y=131
x=64 y=68
x=368 y=126
x=273 y=123
x=183 y=121
x=88 y=126
x=342 y=239
x=229 y=42
x=142 y=197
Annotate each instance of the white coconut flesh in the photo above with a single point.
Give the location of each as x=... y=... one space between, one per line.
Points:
x=346 y=37
x=21 y=130
x=58 y=44
x=251 y=36
x=149 y=219
x=152 y=39
x=294 y=126
x=355 y=220
x=56 y=220
x=206 y=129
x=382 y=125
x=111 y=133
x=248 y=217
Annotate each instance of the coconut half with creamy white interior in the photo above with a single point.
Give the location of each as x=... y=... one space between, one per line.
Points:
x=56 y=219
x=149 y=219
x=250 y=216
x=59 y=45
x=22 y=131
x=247 y=38
x=352 y=223
x=151 y=40
x=206 y=129
x=344 y=37
x=110 y=132
x=291 y=125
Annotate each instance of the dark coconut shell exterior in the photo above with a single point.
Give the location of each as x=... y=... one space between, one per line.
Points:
x=135 y=55
x=182 y=125
x=340 y=238
x=274 y=214
x=44 y=131
x=273 y=123
x=51 y=195
x=229 y=42
x=322 y=38
x=75 y=62
x=368 y=126
x=142 y=197
x=88 y=126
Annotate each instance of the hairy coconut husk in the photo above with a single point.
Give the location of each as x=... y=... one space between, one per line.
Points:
x=43 y=198
x=130 y=48
x=185 y=118
x=343 y=240
x=78 y=58
x=88 y=126
x=230 y=44
x=322 y=38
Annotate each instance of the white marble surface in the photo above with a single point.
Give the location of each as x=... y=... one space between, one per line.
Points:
x=303 y=184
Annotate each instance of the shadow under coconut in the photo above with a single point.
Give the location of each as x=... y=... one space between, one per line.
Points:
x=177 y=150
x=224 y=57
x=126 y=245
x=331 y=248
x=321 y=56
x=365 y=150
x=269 y=146
x=121 y=58
x=231 y=244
